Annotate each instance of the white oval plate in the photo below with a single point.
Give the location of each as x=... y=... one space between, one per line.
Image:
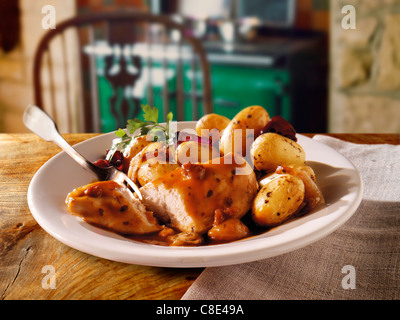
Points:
x=339 y=180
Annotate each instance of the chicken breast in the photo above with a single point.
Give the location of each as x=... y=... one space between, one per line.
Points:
x=111 y=206
x=187 y=197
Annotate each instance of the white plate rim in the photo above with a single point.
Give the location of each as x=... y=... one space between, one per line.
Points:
x=117 y=248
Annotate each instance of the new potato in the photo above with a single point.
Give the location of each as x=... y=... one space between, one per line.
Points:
x=152 y=162
x=278 y=200
x=211 y=121
x=235 y=137
x=135 y=146
x=193 y=152
x=271 y=150
x=312 y=194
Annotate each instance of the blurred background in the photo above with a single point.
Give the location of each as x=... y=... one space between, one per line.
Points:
x=292 y=57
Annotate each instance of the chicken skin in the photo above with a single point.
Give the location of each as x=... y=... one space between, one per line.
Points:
x=111 y=206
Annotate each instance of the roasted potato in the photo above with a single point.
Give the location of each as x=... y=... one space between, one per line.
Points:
x=278 y=200
x=313 y=195
x=235 y=137
x=211 y=121
x=305 y=169
x=267 y=178
x=152 y=162
x=193 y=152
x=227 y=227
x=271 y=150
x=135 y=146
x=230 y=230
x=263 y=180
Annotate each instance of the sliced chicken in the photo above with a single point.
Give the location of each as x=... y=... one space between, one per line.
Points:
x=187 y=197
x=111 y=206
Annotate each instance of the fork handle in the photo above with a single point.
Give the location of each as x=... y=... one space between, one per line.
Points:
x=60 y=141
x=40 y=123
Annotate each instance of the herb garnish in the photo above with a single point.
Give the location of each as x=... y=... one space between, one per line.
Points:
x=148 y=126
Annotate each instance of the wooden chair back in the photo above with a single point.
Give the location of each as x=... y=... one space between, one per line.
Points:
x=94 y=71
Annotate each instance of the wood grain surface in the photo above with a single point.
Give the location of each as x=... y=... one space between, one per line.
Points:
x=25 y=248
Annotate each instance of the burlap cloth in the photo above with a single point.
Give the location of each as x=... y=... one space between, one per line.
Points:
x=360 y=260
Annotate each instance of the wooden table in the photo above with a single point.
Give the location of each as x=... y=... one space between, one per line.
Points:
x=25 y=248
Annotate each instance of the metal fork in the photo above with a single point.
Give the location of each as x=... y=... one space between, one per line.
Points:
x=40 y=123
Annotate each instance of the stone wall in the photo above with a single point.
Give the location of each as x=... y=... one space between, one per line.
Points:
x=365 y=68
x=16 y=89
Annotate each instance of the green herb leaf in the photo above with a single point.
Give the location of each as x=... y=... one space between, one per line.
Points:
x=150 y=113
x=121 y=143
x=134 y=124
x=170 y=116
x=144 y=131
x=120 y=133
x=149 y=126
